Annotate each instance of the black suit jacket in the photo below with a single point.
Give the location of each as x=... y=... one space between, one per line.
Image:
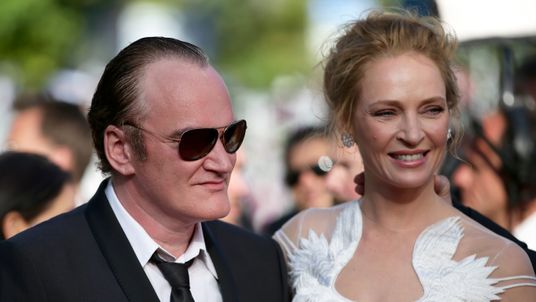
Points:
x=85 y=256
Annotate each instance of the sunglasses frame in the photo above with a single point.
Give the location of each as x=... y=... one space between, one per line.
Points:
x=220 y=136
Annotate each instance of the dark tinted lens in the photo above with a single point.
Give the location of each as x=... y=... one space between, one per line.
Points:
x=234 y=136
x=318 y=171
x=197 y=143
x=291 y=179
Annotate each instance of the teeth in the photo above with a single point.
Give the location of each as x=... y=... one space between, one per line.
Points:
x=409 y=157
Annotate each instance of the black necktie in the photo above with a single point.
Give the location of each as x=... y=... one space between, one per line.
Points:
x=177 y=276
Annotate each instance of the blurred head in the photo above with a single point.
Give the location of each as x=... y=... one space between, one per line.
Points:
x=55 y=129
x=478 y=180
x=238 y=189
x=389 y=83
x=33 y=190
x=347 y=163
x=304 y=175
x=497 y=178
x=157 y=107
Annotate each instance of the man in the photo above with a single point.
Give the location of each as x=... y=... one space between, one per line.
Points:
x=498 y=178
x=55 y=129
x=305 y=149
x=163 y=127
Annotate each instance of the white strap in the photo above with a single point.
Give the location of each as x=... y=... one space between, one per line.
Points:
x=517 y=284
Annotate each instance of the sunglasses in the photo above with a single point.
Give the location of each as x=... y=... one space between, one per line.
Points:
x=194 y=144
x=293 y=176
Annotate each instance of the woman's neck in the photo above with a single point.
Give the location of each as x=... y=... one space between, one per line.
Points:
x=401 y=209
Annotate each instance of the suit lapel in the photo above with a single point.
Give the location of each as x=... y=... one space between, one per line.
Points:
x=117 y=249
x=226 y=282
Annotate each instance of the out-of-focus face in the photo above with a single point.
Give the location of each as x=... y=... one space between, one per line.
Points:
x=347 y=163
x=480 y=186
x=401 y=121
x=238 y=189
x=25 y=133
x=311 y=189
x=181 y=96
x=479 y=183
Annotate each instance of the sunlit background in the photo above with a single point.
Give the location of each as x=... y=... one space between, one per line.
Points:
x=268 y=52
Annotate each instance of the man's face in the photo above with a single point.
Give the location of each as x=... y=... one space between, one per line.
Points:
x=310 y=189
x=480 y=185
x=181 y=96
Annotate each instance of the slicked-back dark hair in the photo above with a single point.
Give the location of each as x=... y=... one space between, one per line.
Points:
x=116 y=98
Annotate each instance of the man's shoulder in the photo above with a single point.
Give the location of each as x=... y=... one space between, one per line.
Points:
x=243 y=249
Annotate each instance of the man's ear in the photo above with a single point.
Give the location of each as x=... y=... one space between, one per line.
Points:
x=13 y=223
x=118 y=150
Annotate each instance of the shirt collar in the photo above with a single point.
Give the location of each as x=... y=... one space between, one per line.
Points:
x=144 y=246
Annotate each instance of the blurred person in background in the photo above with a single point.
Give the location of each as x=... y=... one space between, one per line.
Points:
x=55 y=129
x=32 y=189
x=305 y=152
x=498 y=178
x=239 y=193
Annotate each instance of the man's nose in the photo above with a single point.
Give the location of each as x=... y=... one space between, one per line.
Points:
x=221 y=160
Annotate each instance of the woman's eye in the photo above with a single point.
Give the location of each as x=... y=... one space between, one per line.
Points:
x=384 y=113
x=434 y=110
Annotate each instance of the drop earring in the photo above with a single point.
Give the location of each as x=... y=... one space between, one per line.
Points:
x=347 y=140
x=449 y=134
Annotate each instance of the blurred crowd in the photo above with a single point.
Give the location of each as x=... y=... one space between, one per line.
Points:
x=48 y=161
x=493 y=172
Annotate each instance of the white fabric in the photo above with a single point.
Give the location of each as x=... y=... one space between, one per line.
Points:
x=203 y=275
x=319 y=243
x=526 y=231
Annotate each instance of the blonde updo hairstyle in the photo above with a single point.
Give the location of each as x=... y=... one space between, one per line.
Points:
x=386 y=34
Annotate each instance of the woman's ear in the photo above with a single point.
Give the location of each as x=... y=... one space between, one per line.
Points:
x=13 y=223
x=118 y=150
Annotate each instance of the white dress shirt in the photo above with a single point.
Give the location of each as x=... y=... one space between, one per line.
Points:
x=203 y=275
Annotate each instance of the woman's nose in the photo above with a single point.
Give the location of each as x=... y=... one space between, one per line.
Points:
x=411 y=131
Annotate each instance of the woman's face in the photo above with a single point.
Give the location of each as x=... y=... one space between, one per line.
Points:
x=401 y=120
